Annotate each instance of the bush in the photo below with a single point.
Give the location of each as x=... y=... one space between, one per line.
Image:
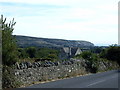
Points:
x=31 y=51
x=91 y=60
x=22 y=53
x=8 y=78
x=86 y=55
x=112 y=53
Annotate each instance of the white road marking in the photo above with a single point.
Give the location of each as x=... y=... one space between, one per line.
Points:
x=96 y=83
x=99 y=81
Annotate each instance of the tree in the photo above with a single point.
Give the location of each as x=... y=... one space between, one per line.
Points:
x=47 y=53
x=112 y=53
x=9 y=48
x=86 y=55
x=22 y=53
x=96 y=50
x=32 y=52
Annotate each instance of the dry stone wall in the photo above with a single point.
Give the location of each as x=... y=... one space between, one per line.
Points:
x=38 y=74
x=31 y=75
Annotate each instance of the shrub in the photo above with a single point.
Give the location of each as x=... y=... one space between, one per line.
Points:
x=86 y=55
x=22 y=53
x=8 y=78
x=112 y=53
x=91 y=61
x=31 y=52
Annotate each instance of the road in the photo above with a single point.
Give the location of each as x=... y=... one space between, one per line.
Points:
x=107 y=79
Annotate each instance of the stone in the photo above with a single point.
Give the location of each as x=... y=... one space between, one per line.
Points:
x=38 y=64
x=58 y=69
x=35 y=65
x=16 y=73
x=21 y=65
x=70 y=70
x=17 y=64
x=25 y=66
x=56 y=63
x=72 y=62
x=29 y=65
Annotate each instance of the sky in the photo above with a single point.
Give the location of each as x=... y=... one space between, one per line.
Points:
x=90 y=20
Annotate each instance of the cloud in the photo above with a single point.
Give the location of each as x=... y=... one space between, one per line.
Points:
x=92 y=20
x=23 y=9
x=56 y=2
x=83 y=3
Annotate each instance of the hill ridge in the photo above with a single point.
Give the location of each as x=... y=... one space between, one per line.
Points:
x=26 y=41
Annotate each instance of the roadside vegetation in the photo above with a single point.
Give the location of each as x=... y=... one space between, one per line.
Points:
x=112 y=53
x=11 y=54
x=32 y=53
x=92 y=57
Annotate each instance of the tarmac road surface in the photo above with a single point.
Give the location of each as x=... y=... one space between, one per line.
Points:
x=107 y=79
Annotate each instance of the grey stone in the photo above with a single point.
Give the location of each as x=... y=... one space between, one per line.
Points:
x=56 y=63
x=17 y=65
x=39 y=64
x=35 y=65
x=21 y=65
x=29 y=65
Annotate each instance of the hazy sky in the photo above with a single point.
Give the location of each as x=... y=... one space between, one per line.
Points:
x=91 y=20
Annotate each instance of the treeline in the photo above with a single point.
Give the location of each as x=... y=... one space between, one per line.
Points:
x=38 y=53
x=111 y=53
x=94 y=56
